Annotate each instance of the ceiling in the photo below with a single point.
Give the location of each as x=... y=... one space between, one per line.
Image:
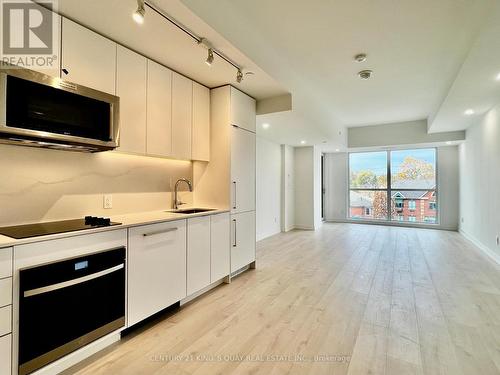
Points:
x=425 y=56
x=415 y=48
x=165 y=43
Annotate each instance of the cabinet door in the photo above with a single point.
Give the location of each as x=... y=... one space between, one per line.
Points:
x=243 y=111
x=242 y=170
x=156 y=268
x=182 y=116
x=242 y=240
x=219 y=245
x=131 y=88
x=5 y=354
x=5 y=262
x=88 y=58
x=159 y=110
x=201 y=122
x=198 y=253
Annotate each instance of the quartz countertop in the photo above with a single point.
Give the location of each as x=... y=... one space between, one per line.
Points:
x=126 y=220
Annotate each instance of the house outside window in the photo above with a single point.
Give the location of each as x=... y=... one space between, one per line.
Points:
x=412 y=205
x=412 y=218
x=432 y=205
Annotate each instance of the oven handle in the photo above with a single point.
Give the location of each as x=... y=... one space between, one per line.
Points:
x=65 y=284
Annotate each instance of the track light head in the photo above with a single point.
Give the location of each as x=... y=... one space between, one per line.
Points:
x=138 y=15
x=210 y=57
x=239 y=76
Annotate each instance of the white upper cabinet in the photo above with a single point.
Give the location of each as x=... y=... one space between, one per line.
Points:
x=88 y=58
x=159 y=122
x=182 y=116
x=242 y=110
x=201 y=122
x=131 y=88
x=198 y=254
x=242 y=170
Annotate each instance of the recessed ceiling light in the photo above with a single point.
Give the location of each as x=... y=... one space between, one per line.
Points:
x=337 y=150
x=302 y=142
x=498 y=77
x=360 y=57
x=448 y=142
x=469 y=112
x=365 y=74
x=265 y=125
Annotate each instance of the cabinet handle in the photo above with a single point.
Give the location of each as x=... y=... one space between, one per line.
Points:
x=234 y=241
x=234 y=196
x=65 y=71
x=159 y=232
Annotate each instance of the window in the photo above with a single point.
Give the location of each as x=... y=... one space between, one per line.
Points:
x=368 y=185
x=393 y=185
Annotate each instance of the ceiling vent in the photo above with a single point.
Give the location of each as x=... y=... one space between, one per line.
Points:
x=365 y=74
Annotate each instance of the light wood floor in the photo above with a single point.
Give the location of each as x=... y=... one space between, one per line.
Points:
x=368 y=299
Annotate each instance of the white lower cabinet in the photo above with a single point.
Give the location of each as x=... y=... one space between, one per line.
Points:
x=242 y=240
x=5 y=354
x=6 y=262
x=198 y=254
x=219 y=244
x=156 y=268
x=5 y=320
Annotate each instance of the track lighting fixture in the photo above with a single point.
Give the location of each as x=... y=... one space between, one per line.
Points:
x=138 y=15
x=239 y=76
x=210 y=58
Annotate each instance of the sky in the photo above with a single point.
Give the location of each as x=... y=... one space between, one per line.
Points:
x=377 y=161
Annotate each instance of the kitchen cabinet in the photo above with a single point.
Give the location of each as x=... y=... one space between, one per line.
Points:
x=6 y=262
x=242 y=110
x=5 y=291
x=88 y=58
x=159 y=119
x=201 y=122
x=156 y=268
x=242 y=240
x=198 y=254
x=55 y=69
x=242 y=170
x=5 y=320
x=182 y=116
x=131 y=71
x=219 y=246
x=5 y=354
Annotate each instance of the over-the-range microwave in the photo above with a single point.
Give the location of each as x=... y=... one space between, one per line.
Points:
x=43 y=111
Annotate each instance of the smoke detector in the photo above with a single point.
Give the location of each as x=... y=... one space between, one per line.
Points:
x=360 y=57
x=365 y=74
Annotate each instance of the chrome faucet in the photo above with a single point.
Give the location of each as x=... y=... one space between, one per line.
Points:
x=177 y=203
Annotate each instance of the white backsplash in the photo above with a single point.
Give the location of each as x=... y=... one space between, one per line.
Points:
x=41 y=184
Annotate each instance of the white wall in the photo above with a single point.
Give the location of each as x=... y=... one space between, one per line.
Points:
x=480 y=182
x=287 y=188
x=304 y=188
x=268 y=204
x=336 y=184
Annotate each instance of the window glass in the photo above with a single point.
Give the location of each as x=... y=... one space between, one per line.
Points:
x=368 y=170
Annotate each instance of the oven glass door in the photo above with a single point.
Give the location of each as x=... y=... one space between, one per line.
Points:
x=37 y=107
x=66 y=305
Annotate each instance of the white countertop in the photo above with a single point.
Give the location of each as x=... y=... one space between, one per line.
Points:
x=127 y=220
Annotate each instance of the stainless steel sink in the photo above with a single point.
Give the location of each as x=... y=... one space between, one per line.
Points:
x=189 y=211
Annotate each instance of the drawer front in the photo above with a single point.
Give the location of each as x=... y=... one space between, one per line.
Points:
x=5 y=262
x=5 y=320
x=156 y=268
x=5 y=354
x=5 y=291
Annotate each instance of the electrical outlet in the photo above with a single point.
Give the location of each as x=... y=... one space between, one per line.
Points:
x=107 y=201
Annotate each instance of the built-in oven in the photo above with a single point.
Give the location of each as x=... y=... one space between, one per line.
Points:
x=68 y=304
x=43 y=111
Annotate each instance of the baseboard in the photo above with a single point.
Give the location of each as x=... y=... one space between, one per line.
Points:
x=392 y=224
x=484 y=249
x=302 y=227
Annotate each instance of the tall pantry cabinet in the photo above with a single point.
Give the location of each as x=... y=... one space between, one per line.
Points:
x=228 y=180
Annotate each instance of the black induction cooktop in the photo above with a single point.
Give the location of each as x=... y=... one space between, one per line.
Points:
x=54 y=227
